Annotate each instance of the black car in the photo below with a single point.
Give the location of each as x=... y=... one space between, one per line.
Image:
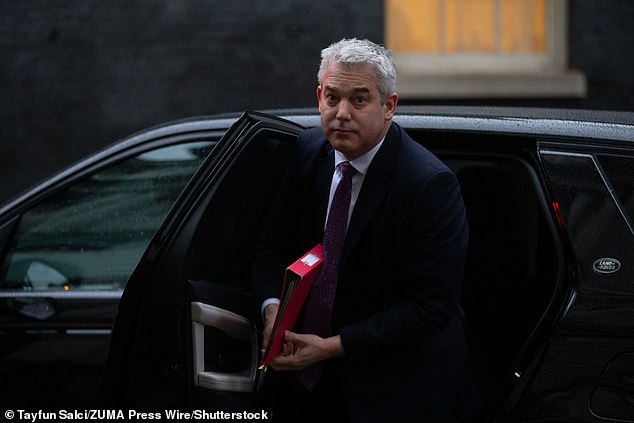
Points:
x=125 y=279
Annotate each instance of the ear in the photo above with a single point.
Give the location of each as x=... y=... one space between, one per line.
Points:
x=390 y=106
x=319 y=96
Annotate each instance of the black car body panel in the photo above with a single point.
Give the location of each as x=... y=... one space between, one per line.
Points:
x=548 y=286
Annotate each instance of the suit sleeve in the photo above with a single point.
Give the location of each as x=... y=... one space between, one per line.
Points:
x=435 y=238
x=275 y=243
x=281 y=242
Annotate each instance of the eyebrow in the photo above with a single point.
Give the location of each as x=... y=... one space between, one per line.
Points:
x=359 y=89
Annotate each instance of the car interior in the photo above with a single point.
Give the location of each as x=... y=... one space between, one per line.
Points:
x=510 y=269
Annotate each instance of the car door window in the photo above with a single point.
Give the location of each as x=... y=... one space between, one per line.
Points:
x=91 y=235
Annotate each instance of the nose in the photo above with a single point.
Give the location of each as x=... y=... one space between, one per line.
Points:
x=344 y=110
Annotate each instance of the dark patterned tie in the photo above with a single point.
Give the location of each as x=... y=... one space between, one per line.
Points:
x=317 y=319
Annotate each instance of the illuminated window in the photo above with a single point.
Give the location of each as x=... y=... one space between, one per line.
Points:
x=481 y=48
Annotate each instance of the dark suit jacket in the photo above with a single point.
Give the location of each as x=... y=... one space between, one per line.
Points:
x=397 y=300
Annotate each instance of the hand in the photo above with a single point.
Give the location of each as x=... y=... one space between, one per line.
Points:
x=302 y=350
x=270 y=313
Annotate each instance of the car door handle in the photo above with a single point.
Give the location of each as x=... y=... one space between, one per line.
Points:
x=234 y=326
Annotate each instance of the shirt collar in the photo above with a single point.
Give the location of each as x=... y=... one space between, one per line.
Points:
x=361 y=163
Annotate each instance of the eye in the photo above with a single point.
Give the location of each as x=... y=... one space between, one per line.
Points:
x=331 y=98
x=360 y=100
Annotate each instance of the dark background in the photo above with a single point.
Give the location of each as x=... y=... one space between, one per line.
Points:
x=78 y=74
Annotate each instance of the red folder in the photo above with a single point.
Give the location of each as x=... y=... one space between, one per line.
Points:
x=298 y=279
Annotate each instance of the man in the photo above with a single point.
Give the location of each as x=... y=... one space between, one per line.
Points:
x=393 y=346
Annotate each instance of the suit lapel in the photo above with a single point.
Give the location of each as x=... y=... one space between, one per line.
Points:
x=376 y=184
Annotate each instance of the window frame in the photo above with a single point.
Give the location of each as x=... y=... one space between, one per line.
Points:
x=492 y=75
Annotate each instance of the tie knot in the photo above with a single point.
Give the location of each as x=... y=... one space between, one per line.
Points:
x=346 y=169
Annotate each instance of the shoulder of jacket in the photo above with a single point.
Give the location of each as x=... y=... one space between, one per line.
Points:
x=418 y=161
x=311 y=141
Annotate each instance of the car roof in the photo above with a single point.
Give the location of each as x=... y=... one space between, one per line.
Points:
x=545 y=122
x=584 y=115
x=548 y=122
x=539 y=122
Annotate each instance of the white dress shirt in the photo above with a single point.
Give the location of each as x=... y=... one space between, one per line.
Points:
x=361 y=165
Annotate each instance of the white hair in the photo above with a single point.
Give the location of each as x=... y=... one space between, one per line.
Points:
x=355 y=53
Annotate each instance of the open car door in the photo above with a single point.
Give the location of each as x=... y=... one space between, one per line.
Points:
x=187 y=332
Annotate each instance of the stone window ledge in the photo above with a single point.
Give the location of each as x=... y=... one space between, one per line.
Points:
x=544 y=84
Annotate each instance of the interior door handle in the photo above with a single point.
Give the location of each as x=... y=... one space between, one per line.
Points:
x=232 y=325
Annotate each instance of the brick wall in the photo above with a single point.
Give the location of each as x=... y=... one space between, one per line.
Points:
x=78 y=74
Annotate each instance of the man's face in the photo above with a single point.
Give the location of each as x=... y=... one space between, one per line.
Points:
x=353 y=116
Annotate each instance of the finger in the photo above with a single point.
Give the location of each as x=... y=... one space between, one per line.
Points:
x=284 y=363
x=286 y=348
x=291 y=337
